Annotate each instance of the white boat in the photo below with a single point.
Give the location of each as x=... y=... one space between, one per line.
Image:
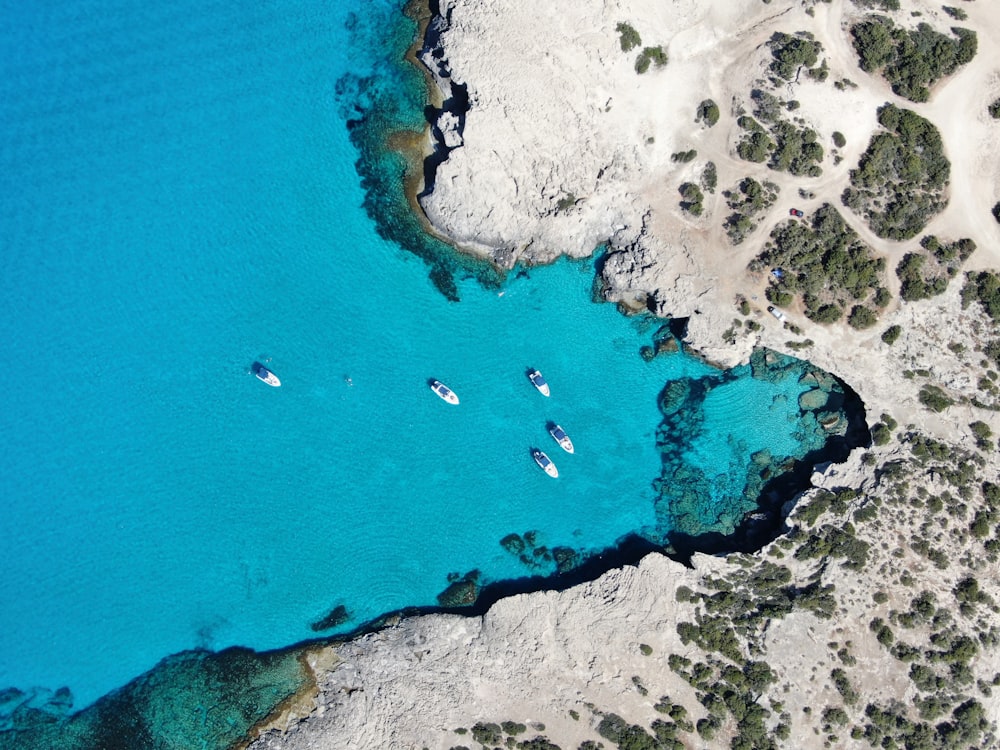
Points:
x=544 y=462
x=265 y=375
x=444 y=391
x=539 y=382
x=559 y=435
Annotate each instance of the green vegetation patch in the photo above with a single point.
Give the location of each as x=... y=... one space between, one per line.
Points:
x=792 y=52
x=692 y=198
x=911 y=60
x=748 y=199
x=826 y=264
x=926 y=274
x=877 y=4
x=628 y=37
x=899 y=182
x=650 y=55
x=707 y=112
x=785 y=147
x=983 y=287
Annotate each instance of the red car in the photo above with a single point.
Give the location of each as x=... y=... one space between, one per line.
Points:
x=796 y=213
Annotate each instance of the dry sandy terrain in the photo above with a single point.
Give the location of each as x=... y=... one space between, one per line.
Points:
x=564 y=147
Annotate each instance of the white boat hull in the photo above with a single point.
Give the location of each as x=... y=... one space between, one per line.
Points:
x=539 y=382
x=562 y=439
x=266 y=376
x=545 y=463
x=447 y=394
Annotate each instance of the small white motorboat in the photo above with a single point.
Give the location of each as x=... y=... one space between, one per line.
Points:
x=544 y=462
x=444 y=391
x=559 y=435
x=539 y=382
x=265 y=375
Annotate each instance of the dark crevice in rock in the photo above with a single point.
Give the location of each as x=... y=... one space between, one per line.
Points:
x=447 y=122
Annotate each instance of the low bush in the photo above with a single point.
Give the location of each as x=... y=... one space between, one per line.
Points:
x=628 y=37
x=650 y=55
x=707 y=112
x=793 y=51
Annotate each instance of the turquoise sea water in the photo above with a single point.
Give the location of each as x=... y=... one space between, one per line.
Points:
x=179 y=200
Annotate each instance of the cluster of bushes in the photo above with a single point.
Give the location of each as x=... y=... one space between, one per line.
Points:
x=725 y=689
x=747 y=200
x=650 y=55
x=826 y=264
x=634 y=737
x=899 y=180
x=835 y=542
x=785 y=146
x=994 y=109
x=911 y=60
x=709 y=177
x=890 y=727
x=707 y=112
x=926 y=274
x=629 y=39
x=793 y=51
x=684 y=156
x=983 y=287
x=693 y=198
x=878 y=4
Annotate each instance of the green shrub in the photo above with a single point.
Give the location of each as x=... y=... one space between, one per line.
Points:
x=710 y=177
x=707 y=112
x=881 y=434
x=487 y=733
x=891 y=334
x=654 y=55
x=790 y=52
x=994 y=109
x=983 y=287
x=838 y=139
x=862 y=317
x=629 y=37
x=693 y=198
x=934 y=398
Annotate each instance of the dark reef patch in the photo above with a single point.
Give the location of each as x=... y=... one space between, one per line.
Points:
x=191 y=699
x=386 y=113
x=334 y=618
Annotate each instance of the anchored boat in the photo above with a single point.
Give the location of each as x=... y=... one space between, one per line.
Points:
x=544 y=462
x=444 y=391
x=265 y=375
x=559 y=435
x=539 y=382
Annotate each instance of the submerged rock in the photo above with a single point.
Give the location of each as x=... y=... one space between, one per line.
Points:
x=675 y=395
x=566 y=558
x=812 y=400
x=461 y=593
x=337 y=616
x=513 y=543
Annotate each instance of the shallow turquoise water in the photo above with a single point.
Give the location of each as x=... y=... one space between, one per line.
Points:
x=181 y=200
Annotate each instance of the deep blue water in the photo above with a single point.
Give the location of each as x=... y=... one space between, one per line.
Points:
x=180 y=199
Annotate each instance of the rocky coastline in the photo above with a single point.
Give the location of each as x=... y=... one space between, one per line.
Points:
x=547 y=141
